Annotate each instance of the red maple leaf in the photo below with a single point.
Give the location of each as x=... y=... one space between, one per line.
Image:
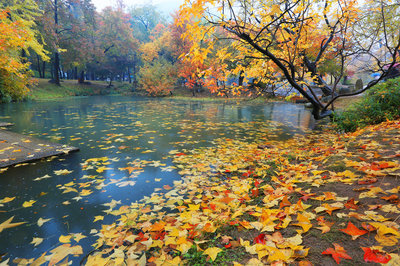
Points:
x=260 y=239
x=374 y=255
x=337 y=253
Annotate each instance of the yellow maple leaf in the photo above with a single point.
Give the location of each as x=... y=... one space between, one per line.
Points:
x=7 y=199
x=303 y=222
x=85 y=192
x=212 y=252
x=65 y=239
x=98 y=218
x=194 y=207
x=37 y=241
x=61 y=252
x=27 y=204
x=8 y=224
x=78 y=237
x=41 y=221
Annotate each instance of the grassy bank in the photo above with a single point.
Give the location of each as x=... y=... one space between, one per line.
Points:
x=44 y=90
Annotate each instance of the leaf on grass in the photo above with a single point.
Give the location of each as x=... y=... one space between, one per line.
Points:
x=352 y=230
x=212 y=252
x=337 y=253
x=260 y=239
x=303 y=222
x=374 y=255
x=351 y=204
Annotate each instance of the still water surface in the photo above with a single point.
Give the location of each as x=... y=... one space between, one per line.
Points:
x=135 y=138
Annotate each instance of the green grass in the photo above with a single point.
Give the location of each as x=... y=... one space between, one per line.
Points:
x=44 y=90
x=379 y=104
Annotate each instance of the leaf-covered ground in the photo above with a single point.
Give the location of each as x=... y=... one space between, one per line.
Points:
x=315 y=199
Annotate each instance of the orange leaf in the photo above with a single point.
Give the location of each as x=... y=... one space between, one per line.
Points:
x=350 y=204
x=285 y=202
x=167 y=187
x=337 y=253
x=352 y=230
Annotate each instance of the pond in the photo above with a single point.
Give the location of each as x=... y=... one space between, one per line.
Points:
x=126 y=150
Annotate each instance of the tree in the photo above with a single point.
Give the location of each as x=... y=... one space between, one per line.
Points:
x=158 y=75
x=18 y=37
x=144 y=19
x=117 y=42
x=294 y=39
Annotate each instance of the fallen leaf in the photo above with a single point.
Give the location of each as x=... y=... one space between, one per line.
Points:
x=37 y=241
x=8 y=224
x=337 y=253
x=62 y=172
x=41 y=221
x=212 y=252
x=27 y=204
x=61 y=252
x=374 y=255
x=65 y=239
x=352 y=230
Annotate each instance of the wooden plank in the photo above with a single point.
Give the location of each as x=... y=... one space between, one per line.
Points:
x=16 y=148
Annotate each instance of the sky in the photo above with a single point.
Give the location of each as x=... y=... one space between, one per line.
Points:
x=165 y=6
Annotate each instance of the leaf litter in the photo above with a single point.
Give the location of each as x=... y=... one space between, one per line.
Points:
x=263 y=199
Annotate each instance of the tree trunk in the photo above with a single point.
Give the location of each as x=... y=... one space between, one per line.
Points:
x=44 y=69
x=129 y=75
x=241 y=78
x=82 y=77
x=38 y=65
x=56 y=55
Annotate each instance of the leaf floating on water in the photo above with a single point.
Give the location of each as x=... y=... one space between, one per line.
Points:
x=27 y=204
x=65 y=239
x=77 y=237
x=41 y=178
x=61 y=252
x=62 y=172
x=41 y=221
x=8 y=224
x=98 y=218
x=37 y=241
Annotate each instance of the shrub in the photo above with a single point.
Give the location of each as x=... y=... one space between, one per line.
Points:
x=379 y=104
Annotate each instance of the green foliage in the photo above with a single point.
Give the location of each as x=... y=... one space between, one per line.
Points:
x=381 y=103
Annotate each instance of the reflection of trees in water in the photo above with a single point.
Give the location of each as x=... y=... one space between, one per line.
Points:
x=292 y=115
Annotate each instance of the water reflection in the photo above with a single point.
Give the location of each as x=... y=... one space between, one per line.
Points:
x=128 y=132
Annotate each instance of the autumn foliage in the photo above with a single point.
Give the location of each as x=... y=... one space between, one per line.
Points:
x=15 y=36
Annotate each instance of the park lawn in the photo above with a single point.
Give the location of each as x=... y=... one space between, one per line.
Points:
x=44 y=90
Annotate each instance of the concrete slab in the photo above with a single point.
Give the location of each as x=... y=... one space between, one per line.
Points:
x=6 y=124
x=16 y=148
